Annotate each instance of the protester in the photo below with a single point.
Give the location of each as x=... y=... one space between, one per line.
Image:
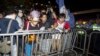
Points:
x=61 y=24
x=32 y=23
x=34 y=20
x=19 y=19
x=9 y=25
x=11 y=15
x=51 y=15
x=44 y=24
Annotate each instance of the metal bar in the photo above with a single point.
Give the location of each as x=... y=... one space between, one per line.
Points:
x=90 y=41
x=86 y=11
x=60 y=39
x=85 y=42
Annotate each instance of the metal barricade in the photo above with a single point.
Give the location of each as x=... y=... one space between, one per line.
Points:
x=81 y=41
x=69 y=46
x=94 y=44
x=37 y=43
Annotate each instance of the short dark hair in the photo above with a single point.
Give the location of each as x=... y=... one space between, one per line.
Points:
x=62 y=15
x=11 y=11
x=42 y=14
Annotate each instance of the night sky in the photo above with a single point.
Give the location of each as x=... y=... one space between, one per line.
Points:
x=73 y=5
x=78 y=5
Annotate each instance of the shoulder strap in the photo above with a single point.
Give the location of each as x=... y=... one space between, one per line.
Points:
x=27 y=26
x=9 y=25
x=8 y=29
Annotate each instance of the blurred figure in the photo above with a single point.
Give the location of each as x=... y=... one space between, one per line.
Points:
x=79 y=24
x=19 y=19
x=52 y=17
x=43 y=11
x=35 y=13
x=44 y=24
x=32 y=23
x=11 y=15
x=1 y=15
x=61 y=24
x=9 y=25
x=96 y=26
x=90 y=24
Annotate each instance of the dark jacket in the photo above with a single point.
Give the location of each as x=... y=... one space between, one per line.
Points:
x=4 y=25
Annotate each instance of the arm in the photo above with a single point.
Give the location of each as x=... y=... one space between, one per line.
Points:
x=53 y=13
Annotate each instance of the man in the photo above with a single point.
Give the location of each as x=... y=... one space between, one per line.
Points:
x=61 y=24
x=5 y=21
x=9 y=22
x=43 y=22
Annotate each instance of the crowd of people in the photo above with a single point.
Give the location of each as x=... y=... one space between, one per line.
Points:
x=89 y=24
x=14 y=20
x=33 y=20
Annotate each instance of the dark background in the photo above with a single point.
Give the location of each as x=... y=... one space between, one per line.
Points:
x=78 y=5
x=73 y=5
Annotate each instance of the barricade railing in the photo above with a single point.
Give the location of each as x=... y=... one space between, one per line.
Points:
x=81 y=41
x=37 y=43
x=94 y=44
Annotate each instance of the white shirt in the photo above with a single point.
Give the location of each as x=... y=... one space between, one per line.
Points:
x=60 y=27
x=20 y=22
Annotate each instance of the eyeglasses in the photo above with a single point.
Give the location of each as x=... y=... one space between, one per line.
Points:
x=35 y=21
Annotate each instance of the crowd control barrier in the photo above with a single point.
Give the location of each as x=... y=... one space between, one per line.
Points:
x=37 y=43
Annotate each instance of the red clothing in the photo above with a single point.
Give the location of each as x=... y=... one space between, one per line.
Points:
x=25 y=24
x=67 y=25
x=64 y=25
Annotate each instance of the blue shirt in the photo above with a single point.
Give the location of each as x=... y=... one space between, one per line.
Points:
x=4 y=25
